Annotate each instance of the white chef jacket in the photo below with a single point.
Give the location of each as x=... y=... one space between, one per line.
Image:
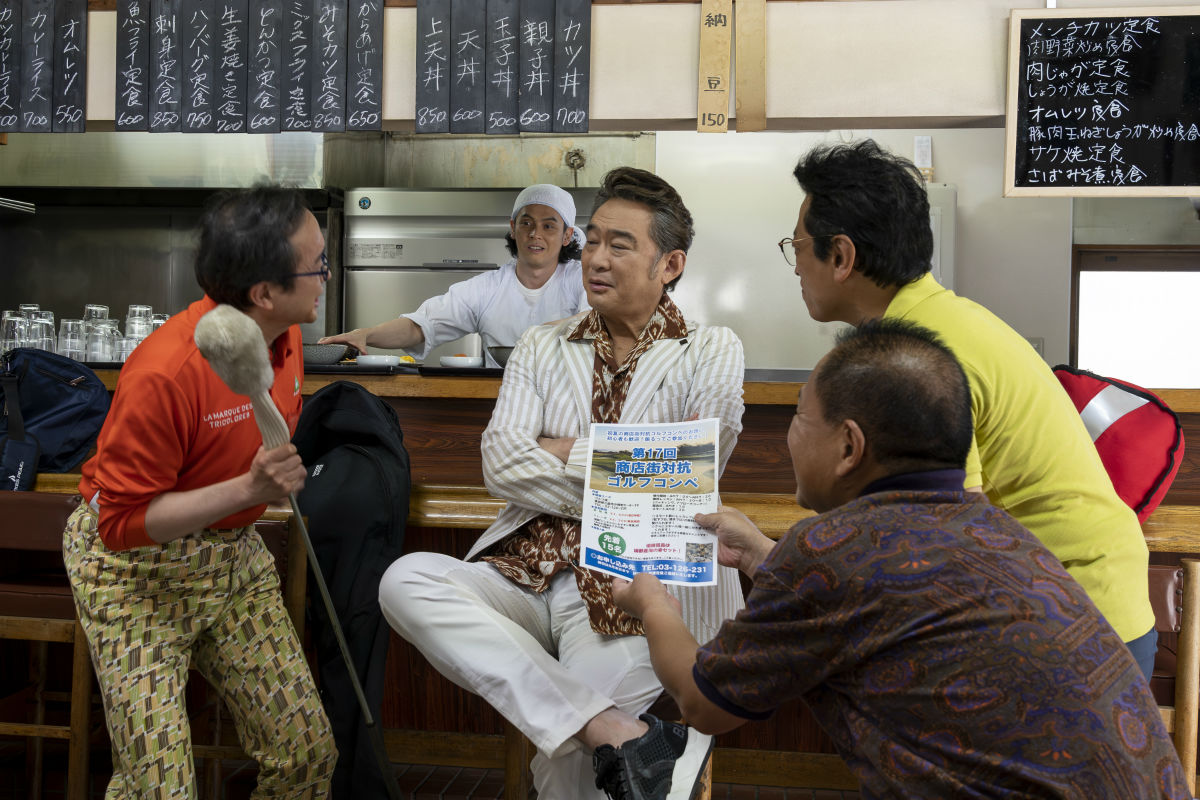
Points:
x=494 y=304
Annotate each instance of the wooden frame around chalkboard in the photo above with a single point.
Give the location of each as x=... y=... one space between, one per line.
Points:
x=1014 y=85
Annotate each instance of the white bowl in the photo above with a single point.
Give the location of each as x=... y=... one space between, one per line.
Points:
x=462 y=361
x=378 y=361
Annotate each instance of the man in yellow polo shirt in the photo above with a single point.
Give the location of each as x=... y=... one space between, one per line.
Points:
x=862 y=249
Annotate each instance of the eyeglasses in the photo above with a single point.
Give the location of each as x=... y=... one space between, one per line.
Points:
x=788 y=246
x=323 y=271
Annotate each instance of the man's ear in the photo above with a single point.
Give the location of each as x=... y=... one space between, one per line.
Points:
x=672 y=265
x=842 y=253
x=852 y=448
x=262 y=295
x=568 y=235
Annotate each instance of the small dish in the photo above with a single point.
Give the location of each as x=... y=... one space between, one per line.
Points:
x=462 y=361
x=378 y=361
x=325 y=354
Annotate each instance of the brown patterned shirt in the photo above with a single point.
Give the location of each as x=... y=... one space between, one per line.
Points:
x=547 y=544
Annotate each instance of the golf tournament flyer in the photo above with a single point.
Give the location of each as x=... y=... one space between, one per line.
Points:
x=645 y=485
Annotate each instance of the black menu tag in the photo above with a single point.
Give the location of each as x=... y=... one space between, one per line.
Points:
x=329 y=65
x=503 y=66
x=70 y=66
x=133 y=65
x=233 y=31
x=265 y=57
x=297 y=65
x=468 y=21
x=364 y=66
x=572 y=60
x=10 y=65
x=197 y=32
x=536 y=99
x=37 y=65
x=433 y=67
x=165 y=70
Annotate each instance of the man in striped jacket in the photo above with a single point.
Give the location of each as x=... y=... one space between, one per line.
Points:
x=520 y=622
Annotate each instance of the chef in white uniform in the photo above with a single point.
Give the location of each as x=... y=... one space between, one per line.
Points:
x=542 y=283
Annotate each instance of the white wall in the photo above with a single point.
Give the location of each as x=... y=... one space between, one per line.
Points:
x=1013 y=255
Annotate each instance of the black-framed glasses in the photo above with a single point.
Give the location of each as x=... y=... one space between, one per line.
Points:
x=323 y=271
x=788 y=246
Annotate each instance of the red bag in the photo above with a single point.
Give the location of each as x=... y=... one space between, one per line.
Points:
x=1138 y=436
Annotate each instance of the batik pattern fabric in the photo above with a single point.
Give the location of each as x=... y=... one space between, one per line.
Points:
x=549 y=544
x=947 y=653
x=210 y=601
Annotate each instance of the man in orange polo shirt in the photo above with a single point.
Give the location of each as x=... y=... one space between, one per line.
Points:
x=166 y=567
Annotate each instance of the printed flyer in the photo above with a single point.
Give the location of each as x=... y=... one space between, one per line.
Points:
x=645 y=485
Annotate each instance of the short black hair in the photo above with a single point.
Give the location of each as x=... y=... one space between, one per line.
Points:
x=905 y=389
x=671 y=224
x=245 y=238
x=878 y=200
x=570 y=251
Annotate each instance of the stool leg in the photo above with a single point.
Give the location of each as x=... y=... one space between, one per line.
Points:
x=81 y=707
x=517 y=753
x=34 y=747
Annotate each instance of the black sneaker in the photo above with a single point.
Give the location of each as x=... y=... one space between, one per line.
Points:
x=665 y=763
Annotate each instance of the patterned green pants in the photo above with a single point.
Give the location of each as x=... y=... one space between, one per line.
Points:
x=210 y=601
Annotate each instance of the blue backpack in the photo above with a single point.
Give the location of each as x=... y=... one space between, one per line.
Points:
x=53 y=410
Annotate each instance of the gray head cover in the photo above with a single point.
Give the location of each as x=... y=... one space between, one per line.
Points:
x=547 y=194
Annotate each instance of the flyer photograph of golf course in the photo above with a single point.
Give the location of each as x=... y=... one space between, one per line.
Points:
x=675 y=459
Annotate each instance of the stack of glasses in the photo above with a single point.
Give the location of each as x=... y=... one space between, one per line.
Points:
x=94 y=338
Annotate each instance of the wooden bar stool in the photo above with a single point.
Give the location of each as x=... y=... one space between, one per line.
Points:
x=36 y=606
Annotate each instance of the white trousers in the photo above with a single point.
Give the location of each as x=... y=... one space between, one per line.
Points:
x=533 y=656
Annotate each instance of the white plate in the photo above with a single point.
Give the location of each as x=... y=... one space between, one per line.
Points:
x=462 y=361
x=378 y=361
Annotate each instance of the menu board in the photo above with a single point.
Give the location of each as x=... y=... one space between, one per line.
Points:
x=433 y=67
x=196 y=46
x=165 y=71
x=572 y=55
x=265 y=61
x=1105 y=102
x=468 y=19
x=233 y=36
x=37 y=65
x=536 y=97
x=10 y=65
x=70 y=66
x=297 y=65
x=501 y=67
x=364 y=66
x=133 y=65
x=329 y=66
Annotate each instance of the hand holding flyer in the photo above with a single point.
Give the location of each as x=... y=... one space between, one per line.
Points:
x=645 y=485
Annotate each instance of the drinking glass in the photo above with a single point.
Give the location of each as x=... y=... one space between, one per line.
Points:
x=158 y=320
x=71 y=339
x=14 y=331
x=41 y=335
x=102 y=340
x=27 y=309
x=139 y=321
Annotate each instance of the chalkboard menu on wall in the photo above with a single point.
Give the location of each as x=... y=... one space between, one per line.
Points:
x=501 y=67
x=329 y=66
x=37 y=65
x=10 y=65
x=233 y=36
x=468 y=19
x=266 y=61
x=572 y=55
x=433 y=67
x=364 y=60
x=1103 y=103
x=297 y=65
x=536 y=97
x=133 y=65
x=165 y=70
x=70 y=66
x=196 y=46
